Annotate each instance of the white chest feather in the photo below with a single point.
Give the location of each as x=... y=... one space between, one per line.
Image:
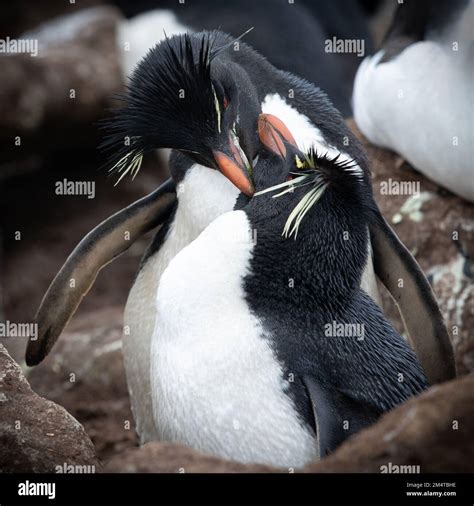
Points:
x=216 y=383
x=203 y=195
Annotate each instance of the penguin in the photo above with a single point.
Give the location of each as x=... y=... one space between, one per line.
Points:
x=229 y=100
x=415 y=95
x=245 y=362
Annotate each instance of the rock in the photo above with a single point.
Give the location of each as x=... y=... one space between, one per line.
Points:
x=465 y=353
x=76 y=69
x=438 y=228
x=36 y=435
x=172 y=458
x=19 y=17
x=85 y=374
x=432 y=431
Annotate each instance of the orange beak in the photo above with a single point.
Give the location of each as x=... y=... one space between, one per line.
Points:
x=271 y=131
x=233 y=168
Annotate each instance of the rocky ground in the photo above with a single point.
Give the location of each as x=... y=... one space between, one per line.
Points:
x=84 y=376
x=438 y=228
x=36 y=434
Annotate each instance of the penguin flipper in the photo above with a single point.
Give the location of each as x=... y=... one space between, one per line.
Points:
x=328 y=431
x=99 y=247
x=336 y=416
x=415 y=300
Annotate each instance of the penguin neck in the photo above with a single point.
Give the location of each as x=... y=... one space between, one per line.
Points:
x=323 y=264
x=203 y=195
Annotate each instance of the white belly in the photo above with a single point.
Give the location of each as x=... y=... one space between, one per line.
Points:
x=418 y=105
x=203 y=195
x=216 y=383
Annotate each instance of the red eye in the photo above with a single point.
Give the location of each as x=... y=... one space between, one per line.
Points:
x=226 y=103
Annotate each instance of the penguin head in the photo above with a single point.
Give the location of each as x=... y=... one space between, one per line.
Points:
x=303 y=192
x=186 y=94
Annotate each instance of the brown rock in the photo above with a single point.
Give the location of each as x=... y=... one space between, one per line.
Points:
x=76 y=70
x=465 y=354
x=172 y=458
x=433 y=431
x=36 y=435
x=438 y=228
x=19 y=16
x=85 y=374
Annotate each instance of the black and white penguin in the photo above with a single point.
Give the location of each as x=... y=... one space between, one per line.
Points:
x=204 y=102
x=246 y=361
x=415 y=95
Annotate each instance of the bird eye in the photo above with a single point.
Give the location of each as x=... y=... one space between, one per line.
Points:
x=226 y=102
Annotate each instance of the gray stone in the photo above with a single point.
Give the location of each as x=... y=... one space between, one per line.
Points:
x=36 y=435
